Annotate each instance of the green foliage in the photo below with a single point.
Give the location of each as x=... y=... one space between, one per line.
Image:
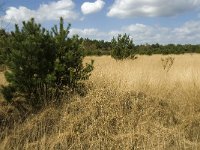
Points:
x=100 y=47
x=41 y=62
x=30 y=60
x=8 y=92
x=148 y=49
x=122 y=46
x=68 y=68
x=4 y=46
x=95 y=47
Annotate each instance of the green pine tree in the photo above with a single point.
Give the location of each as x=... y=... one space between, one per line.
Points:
x=42 y=63
x=68 y=67
x=122 y=46
x=4 y=46
x=30 y=60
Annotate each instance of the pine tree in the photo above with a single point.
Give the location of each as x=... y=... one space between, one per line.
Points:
x=42 y=63
x=122 y=46
x=4 y=46
x=68 y=67
x=31 y=59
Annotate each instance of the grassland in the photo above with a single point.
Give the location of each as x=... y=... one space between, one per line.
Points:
x=131 y=104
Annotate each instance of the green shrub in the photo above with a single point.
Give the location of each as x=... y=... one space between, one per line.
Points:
x=4 y=46
x=122 y=46
x=8 y=92
x=68 y=68
x=30 y=60
x=42 y=63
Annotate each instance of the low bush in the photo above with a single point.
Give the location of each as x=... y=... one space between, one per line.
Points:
x=122 y=46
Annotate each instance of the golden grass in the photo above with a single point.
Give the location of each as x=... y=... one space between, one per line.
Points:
x=2 y=79
x=131 y=104
x=2 y=82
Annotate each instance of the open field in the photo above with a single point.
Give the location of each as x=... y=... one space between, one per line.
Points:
x=146 y=74
x=131 y=104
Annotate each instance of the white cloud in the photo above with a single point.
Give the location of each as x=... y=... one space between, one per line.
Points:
x=84 y=32
x=45 y=12
x=151 y=8
x=89 y=7
x=92 y=33
x=187 y=33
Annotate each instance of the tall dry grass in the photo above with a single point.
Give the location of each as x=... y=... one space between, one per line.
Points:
x=2 y=82
x=131 y=104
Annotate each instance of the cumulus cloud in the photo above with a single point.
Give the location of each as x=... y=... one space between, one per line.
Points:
x=92 y=33
x=187 y=33
x=89 y=7
x=151 y=8
x=45 y=12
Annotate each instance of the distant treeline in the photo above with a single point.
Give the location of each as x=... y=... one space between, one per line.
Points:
x=95 y=47
x=101 y=47
x=166 y=49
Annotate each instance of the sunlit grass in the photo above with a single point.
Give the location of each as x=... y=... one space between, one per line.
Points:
x=2 y=82
x=131 y=104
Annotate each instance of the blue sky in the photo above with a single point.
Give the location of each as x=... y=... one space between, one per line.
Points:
x=146 y=21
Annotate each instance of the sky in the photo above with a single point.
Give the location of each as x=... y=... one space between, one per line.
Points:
x=146 y=21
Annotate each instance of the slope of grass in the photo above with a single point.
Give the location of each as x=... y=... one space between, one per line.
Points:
x=131 y=104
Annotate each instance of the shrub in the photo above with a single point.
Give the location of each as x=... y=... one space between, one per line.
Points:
x=122 y=46
x=167 y=62
x=4 y=46
x=41 y=63
x=30 y=60
x=68 y=68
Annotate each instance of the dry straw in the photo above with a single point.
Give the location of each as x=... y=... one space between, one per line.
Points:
x=131 y=104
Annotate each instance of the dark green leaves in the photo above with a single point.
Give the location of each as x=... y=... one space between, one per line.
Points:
x=122 y=46
x=42 y=61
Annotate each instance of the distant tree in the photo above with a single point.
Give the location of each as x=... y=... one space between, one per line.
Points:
x=122 y=46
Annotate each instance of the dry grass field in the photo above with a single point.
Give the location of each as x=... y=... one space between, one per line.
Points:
x=147 y=104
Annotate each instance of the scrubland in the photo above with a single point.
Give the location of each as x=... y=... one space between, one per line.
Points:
x=146 y=103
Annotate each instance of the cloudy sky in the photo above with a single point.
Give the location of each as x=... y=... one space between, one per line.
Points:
x=146 y=21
